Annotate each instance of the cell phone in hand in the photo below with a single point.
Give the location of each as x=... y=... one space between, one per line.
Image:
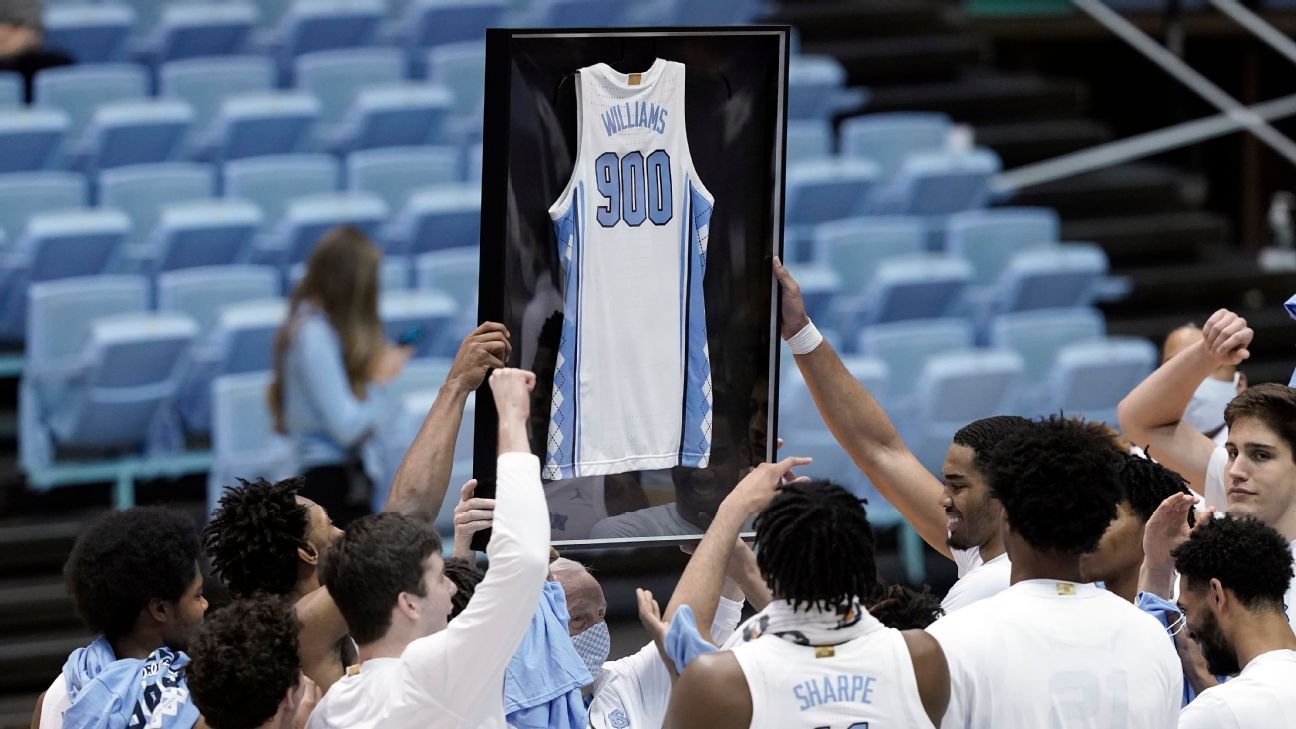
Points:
x=410 y=337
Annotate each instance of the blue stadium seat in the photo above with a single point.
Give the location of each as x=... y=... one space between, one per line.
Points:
x=141 y=191
x=823 y=190
x=938 y=184
x=817 y=88
x=260 y=124
x=336 y=77
x=25 y=194
x=453 y=271
x=198 y=233
x=989 y=238
x=443 y=216
x=79 y=90
x=393 y=274
x=808 y=140
x=89 y=33
x=430 y=23
x=129 y=370
x=918 y=286
x=906 y=347
x=394 y=172
x=274 y=180
x=308 y=217
x=820 y=288
x=798 y=414
x=889 y=138
x=575 y=14
x=244 y=441
x=241 y=341
x=30 y=139
x=690 y=12
x=271 y=14
x=956 y=388
x=11 y=90
x=60 y=313
x=324 y=25
x=461 y=67
x=200 y=293
x=197 y=30
x=135 y=132
x=1052 y=277
x=1090 y=378
x=473 y=163
x=433 y=312
x=204 y=83
x=1038 y=336
x=147 y=13
x=400 y=114
x=854 y=247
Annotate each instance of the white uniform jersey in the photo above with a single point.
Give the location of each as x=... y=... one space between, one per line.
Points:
x=862 y=683
x=977 y=579
x=1261 y=697
x=632 y=384
x=1045 y=654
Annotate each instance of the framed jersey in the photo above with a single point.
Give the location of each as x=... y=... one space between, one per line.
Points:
x=632 y=201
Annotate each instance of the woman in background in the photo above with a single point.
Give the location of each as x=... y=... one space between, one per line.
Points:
x=332 y=363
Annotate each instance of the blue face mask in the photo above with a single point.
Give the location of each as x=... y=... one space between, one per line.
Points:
x=593 y=645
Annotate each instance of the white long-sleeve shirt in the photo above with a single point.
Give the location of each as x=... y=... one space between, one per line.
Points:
x=455 y=678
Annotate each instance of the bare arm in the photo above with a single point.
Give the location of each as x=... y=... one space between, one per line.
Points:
x=712 y=693
x=424 y=473
x=1150 y=416
x=931 y=671
x=322 y=629
x=863 y=429
x=36 y=714
x=1165 y=530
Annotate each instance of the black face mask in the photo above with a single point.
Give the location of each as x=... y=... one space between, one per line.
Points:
x=1221 y=658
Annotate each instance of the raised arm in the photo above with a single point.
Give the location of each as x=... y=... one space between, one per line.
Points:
x=863 y=429
x=712 y=693
x=424 y=474
x=1151 y=416
x=322 y=628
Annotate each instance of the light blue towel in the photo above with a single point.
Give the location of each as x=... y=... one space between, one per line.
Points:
x=1167 y=612
x=542 y=684
x=128 y=693
x=683 y=642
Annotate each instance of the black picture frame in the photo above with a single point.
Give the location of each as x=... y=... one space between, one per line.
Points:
x=736 y=107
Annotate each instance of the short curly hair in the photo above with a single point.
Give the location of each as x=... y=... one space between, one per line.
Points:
x=1249 y=558
x=982 y=435
x=1058 y=482
x=1147 y=483
x=125 y=559
x=244 y=660
x=906 y=608
x=254 y=534
x=465 y=575
x=372 y=563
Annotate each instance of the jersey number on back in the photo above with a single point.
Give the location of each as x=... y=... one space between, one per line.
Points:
x=635 y=189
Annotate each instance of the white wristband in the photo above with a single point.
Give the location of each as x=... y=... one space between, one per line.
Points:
x=805 y=341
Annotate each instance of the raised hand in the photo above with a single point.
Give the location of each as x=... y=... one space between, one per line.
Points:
x=1227 y=337
x=757 y=489
x=471 y=515
x=794 y=317
x=512 y=391
x=485 y=348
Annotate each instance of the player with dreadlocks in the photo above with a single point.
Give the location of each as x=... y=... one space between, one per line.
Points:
x=814 y=656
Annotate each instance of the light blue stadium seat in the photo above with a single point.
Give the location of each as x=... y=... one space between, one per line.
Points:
x=989 y=238
x=919 y=286
x=433 y=312
x=31 y=139
x=201 y=292
x=575 y=14
x=823 y=190
x=400 y=114
x=853 y=247
x=453 y=271
x=938 y=184
x=336 y=77
x=147 y=13
x=443 y=216
x=1052 y=277
x=394 y=172
x=808 y=140
x=244 y=441
x=906 y=347
x=128 y=374
x=204 y=83
x=429 y=23
x=889 y=138
x=271 y=15
x=136 y=132
x=324 y=25
x=259 y=124
x=89 y=33
x=817 y=88
x=274 y=180
x=23 y=195
x=956 y=388
x=307 y=218
x=393 y=274
x=197 y=30
x=241 y=341
x=197 y=233
x=1038 y=336
x=461 y=67
x=79 y=90
x=1090 y=378
x=820 y=288
x=473 y=163
x=689 y=12
x=142 y=190
x=11 y=90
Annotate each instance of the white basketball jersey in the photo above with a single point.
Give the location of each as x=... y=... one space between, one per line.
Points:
x=632 y=383
x=865 y=683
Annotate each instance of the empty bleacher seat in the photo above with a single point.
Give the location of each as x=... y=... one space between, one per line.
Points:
x=392 y=173
x=434 y=218
x=823 y=190
x=135 y=132
x=400 y=114
x=1052 y=277
x=453 y=271
x=80 y=90
x=204 y=83
x=575 y=14
x=473 y=163
x=853 y=247
x=337 y=77
x=140 y=191
x=816 y=87
x=937 y=184
x=324 y=25
x=889 y=138
x=956 y=388
x=989 y=238
x=919 y=286
x=23 y=195
x=195 y=30
x=200 y=233
x=89 y=33
x=461 y=67
x=30 y=139
x=431 y=313
x=11 y=90
x=1038 y=336
x=242 y=340
x=260 y=123
x=430 y=23
x=201 y=292
x=808 y=140
x=906 y=347
x=308 y=217
x=272 y=181
x=1090 y=378
x=244 y=441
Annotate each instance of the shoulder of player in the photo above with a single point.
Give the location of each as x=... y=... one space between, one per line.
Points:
x=713 y=691
x=969 y=621
x=1209 y=709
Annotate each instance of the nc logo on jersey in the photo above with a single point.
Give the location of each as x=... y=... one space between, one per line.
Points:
x=618 y=719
